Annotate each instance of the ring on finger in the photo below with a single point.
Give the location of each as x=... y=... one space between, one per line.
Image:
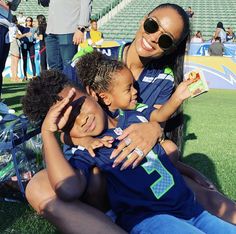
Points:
x=129 y=156
x=139 y=152
x=127 y=141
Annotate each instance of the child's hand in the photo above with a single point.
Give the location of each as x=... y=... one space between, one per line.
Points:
x=94 y=143
x=56 y=117
x=182 y=91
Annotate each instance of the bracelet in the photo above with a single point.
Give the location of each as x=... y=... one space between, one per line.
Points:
x=81 y=29
x=161 y=138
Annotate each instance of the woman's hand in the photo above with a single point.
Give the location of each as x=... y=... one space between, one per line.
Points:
x=136 y=141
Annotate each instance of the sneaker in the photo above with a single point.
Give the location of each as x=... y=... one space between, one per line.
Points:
x=4 y=109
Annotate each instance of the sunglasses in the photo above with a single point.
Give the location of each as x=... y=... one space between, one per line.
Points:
x=165 y=41
x=76 y=107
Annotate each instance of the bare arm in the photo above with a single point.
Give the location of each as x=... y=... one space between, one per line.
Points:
x=195 y=175
x=164 y=113
x=59 y=170
x=19 y=36
x=217 y=32
x=84 y=18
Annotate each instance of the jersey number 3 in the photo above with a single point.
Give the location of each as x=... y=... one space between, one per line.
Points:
x=165 y=182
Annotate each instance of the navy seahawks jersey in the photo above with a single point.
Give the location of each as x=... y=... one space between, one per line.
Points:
x=154 y=85
x=154 y=187
x=140 y=107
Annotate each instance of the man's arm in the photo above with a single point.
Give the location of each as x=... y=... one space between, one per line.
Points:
x=83 y=21
x=85 y=13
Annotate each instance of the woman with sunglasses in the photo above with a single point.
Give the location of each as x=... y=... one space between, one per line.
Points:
x=156 y=47
x=156 y=60
x=27 y=45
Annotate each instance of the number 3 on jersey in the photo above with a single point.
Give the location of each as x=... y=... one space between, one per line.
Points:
x=165 y=182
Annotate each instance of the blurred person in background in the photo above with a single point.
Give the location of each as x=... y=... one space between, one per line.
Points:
x=21 y=18
x=14 y=49
x=216 y=48
x=220 y=32
x=230 y=35
x=94 y=37
x=5 y=22
x=27 y=45
x=67 y=22
x=197 y=38
x=41 y=34
x=190 y=12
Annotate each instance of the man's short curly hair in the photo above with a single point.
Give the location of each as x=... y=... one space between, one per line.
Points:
x=96 y=71
x=42 y=92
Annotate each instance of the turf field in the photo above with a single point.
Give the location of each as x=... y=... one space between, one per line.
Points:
x=209 y=146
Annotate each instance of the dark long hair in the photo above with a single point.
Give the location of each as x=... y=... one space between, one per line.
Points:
x=220 y=25
x=175 y=60
x=42 y=23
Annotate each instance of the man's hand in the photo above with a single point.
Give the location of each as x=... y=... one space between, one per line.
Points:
x=78 y=37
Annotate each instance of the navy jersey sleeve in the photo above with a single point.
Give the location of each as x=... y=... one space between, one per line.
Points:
x=82 y=166
x=154 y=85
x=79 y=158
x=165 y=94
x=145 y=110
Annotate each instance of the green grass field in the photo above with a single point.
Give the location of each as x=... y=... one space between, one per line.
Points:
x=209 y=146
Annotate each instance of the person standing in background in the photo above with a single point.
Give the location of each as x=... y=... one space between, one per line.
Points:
x=230 y=35
x=67 y=21
x=216 y=48
x=14 y=49
x=41 y=34
x=27 y=45
x=21 y=18
x=220 y=32
x=197 y=38
x=5 y=23
x=190 y=12
x=94 y=37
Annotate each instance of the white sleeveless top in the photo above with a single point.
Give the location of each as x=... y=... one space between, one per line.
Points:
x=222 y=35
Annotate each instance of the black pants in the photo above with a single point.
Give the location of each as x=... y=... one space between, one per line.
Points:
x=29 y=47
x=43 y=57
x=4 y=50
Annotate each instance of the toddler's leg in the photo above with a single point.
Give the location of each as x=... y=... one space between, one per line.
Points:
x=171 y=150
